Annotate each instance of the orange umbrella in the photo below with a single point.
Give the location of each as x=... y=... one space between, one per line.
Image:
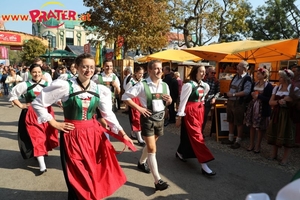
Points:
x=250 y=50
x=170 y=55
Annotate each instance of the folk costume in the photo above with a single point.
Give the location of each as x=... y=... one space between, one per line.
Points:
x=34 y=139
x=134 y=115
x=106 y=80
x=191 y=109
x=281 y=131
x=89 y=163
x=67 y=76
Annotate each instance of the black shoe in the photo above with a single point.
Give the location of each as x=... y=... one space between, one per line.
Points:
x=144 y=167
x=166 y=123
x=142 y=144
x=236 y=145
x=208 y=174
x=227 y=142
x=161 y=185
x=179 y=156
x=41 y=172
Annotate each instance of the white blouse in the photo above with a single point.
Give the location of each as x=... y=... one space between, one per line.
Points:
x=59 y=89
x=185 y=94
x=9 y=79
x=21 y=89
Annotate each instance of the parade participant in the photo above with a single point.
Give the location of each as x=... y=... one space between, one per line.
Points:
x=110 y=80
x=259 y=111
x=190 y=117
x=213 y=94
x=46 y=76
x=72 y=72
x=154 y=95
x=134 y=115
x=88 y=159
x=34 y=139
x=239 y=90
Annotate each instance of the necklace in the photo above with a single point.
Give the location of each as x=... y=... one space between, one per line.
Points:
x=260 y=84
x=80 y=84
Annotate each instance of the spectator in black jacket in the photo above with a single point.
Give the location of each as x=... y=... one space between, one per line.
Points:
x=173 y=86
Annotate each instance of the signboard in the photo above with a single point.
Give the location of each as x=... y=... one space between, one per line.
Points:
x=87 y=48
x=19 y=48
x=9 y=37
x=109 y=56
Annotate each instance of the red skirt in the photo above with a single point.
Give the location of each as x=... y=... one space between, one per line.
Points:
x=134 y=116
x=43 y=136
x=92 y=168
x=193 y=121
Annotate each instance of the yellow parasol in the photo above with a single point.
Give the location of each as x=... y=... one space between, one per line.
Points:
x=250 y=50
x=170 y=55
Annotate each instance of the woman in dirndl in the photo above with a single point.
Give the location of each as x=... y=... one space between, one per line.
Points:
x=135 y=115
x=259 y=110
x=281 y=131
x=190 y=116
x=35 y=140
x=89 y=161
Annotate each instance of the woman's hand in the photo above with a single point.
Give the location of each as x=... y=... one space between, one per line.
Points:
x=62 y=126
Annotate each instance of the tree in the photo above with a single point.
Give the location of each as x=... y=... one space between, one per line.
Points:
x=141 y=24
x=15 y=57
x=31 y=49
x=203 y=20
x=277 y=19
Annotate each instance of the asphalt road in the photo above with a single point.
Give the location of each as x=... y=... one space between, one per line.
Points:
x=236 y=176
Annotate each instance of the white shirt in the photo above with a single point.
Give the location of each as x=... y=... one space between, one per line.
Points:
x=59 y=89
x=21 y=89
x=139 y=91
x=185 y=94
x=106 y=78
x=15 y=78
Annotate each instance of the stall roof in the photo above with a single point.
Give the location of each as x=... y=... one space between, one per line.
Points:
x=79 y=49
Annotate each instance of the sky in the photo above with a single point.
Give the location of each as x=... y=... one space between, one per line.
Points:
x=23 y=7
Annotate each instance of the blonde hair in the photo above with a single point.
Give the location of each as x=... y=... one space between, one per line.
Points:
x=286 y=74
x=176 y=74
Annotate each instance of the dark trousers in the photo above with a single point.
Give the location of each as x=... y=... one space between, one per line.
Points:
x=207 y=108
x=172 y=112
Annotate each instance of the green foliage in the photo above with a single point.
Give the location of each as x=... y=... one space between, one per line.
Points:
x=31 y=49
x=204 y=20
x=142 y=24
x=15 y=57
x=276 y=19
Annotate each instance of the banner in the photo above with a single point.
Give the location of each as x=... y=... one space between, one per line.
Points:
x=9 y=37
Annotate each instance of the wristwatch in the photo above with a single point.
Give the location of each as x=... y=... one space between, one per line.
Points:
x=233 y=94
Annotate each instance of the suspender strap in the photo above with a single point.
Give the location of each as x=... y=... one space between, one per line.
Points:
x=149 y=94
x=82 y=91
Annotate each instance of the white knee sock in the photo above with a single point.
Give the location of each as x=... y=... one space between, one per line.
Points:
x=139 y=136
x=205 y=167
x=42 y=163
x=144 y=156
x=153 y=166
x=231 y=136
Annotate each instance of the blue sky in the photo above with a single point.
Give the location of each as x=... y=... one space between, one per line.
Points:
x=23 y=7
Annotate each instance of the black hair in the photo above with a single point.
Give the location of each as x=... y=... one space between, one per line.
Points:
x=32 y=66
